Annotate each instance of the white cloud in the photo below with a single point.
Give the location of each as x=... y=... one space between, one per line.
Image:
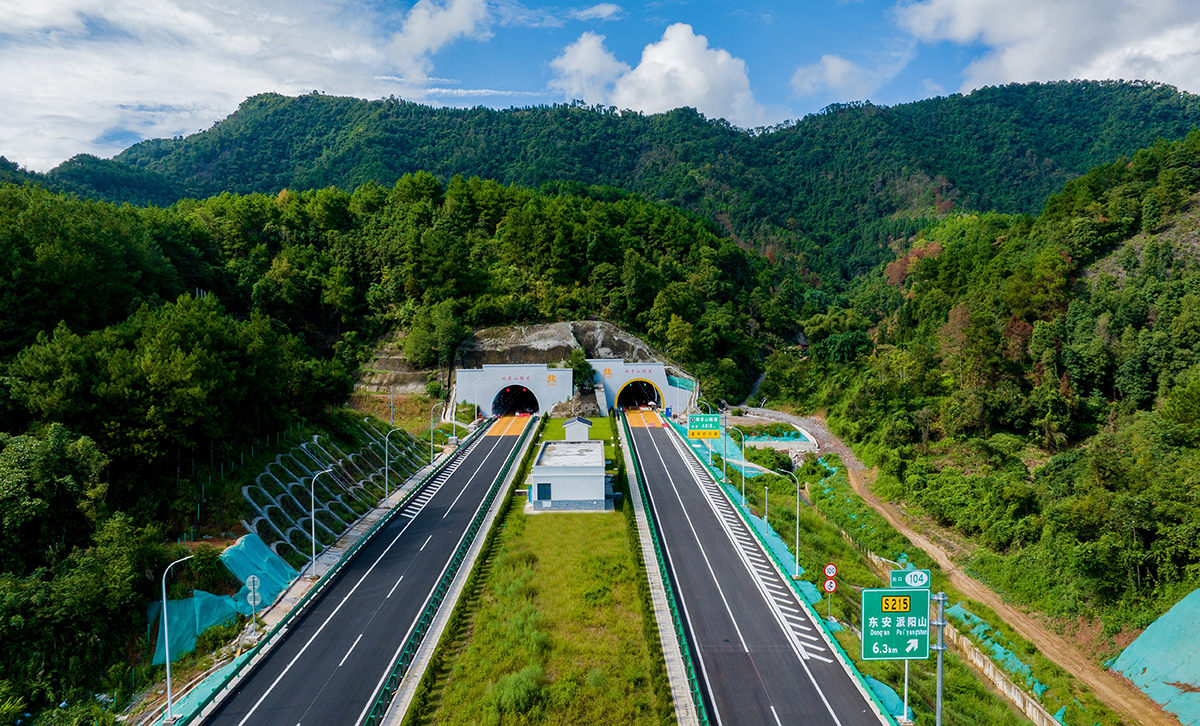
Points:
x=848 y=80
x=476 y=92
x=586 y=70
x=603 y=11
x=428 y=27
x=835 y=73
x=93 y=76
x=679 y=70
x=1034 y=40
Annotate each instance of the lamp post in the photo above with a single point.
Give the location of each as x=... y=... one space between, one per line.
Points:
x=735 y=428
x=313 y=493
x=476 y=396
x=170 y=717
x=796 y=575
x=431 y=410
x=387 y=490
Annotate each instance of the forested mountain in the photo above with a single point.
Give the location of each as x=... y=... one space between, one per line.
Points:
x=834 y=187
x=138 y=341
x=960 y=350
x=1034 y=383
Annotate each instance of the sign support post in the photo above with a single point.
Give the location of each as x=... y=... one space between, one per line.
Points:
x=940 y=598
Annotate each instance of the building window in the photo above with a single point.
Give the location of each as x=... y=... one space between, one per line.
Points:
x=543 y=491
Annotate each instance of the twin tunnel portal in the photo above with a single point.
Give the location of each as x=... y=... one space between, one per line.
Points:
x=760 y=655
x=517 y=399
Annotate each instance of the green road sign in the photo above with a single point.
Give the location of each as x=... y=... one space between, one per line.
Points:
x=895 y=624
x=910 y=578
x=704 y=426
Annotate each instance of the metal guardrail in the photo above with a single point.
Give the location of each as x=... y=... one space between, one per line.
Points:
x=313 y=593
x=783 y=568
x=392 y=683
x=688 y=662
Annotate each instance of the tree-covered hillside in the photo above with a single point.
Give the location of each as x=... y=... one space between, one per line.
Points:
x=834 y=187
x=137 y=342
x=1034 y=383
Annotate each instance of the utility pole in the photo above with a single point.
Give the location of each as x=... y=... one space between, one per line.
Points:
x=940 y=624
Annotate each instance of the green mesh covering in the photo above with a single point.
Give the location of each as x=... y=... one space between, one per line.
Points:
x=1165 y=663
x=188 y=618
x=999 y=648
x=888 y=698
x=683 y=383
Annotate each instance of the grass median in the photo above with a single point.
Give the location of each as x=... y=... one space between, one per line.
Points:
x=554 y=629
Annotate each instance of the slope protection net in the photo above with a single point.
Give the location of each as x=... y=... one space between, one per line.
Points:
x=189 y=617
x=1165 y=663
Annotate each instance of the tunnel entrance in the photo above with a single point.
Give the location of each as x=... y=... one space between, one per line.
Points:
x=513 y=400
x=636 y=394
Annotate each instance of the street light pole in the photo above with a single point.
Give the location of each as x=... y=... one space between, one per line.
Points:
x=387 y=490
x=796 y=576
x=313 y=493
x=170 y=717
x=476 y=396
x=431 y=410
x=735 y=428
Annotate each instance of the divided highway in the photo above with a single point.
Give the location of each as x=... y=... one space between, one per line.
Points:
x=329 y=666
x=761 y=657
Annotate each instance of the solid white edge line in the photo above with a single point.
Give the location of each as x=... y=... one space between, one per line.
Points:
x=392 y=662
x=366 y=574
x=847 y=666
x=773 y=606
x=344 y=657
x=712 y=573
x=678 y=593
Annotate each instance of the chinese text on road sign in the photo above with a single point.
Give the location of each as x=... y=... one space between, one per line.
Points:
x=704 y=426
x=895 y=624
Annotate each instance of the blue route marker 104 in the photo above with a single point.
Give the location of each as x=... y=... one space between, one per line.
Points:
x=895 y=624
x=911 y=578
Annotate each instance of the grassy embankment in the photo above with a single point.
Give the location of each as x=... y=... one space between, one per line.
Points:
x=555 y=624
x=966 y=700
x=838 y=509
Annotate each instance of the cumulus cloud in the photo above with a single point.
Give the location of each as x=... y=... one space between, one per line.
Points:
x=428 y=27
x=1034 y=40
x=848 y=80
x=586 y=70
x=679 y=70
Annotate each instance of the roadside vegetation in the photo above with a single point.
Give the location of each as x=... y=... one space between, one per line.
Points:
x=968 y=698
x=1030 y=385
x=555 y=627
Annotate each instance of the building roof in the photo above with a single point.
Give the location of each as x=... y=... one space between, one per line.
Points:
x=577 y=420
x=572 y=453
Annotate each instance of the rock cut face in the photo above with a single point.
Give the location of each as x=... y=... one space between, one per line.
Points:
x=550 y=343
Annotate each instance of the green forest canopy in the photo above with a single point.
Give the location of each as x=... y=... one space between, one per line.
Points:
x=995 y=341
x=136 y=337
x=833 y=188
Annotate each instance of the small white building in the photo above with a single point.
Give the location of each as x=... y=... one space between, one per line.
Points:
x=577 y=428
x=568 y=475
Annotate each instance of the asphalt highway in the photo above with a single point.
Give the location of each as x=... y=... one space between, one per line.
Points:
x=762 y=659
x=328 y=667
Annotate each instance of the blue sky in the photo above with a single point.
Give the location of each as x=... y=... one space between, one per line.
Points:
x=95 y=76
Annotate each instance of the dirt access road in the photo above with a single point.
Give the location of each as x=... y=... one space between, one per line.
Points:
x=1115 y=691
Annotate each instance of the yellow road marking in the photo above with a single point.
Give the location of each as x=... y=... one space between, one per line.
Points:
x=508 y=426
